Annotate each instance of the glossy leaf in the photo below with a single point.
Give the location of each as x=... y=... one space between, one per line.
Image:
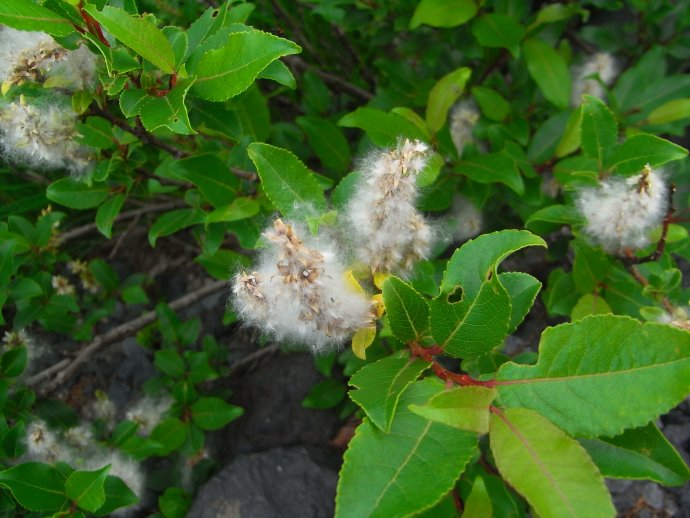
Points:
x=327 y=141
x=77 y=195
x=619 y=360
x=639 y=453
x=286 y=180
x=228 y=71
x=210 y=175
x=599 y=131
x=408 y=312
x=35 y=486
x=137 y=33
x=498 y=30
x=466 y=408
x=387 y=474
x=443 y=95
x=522 y=289
x=325 y=394
x=212 y=413
x=443 y=13
x=551 y=470
x=26 y=15
x=493 y=168
x=86 y=488
x=639 y=150
x=175 y=220
x=117 y=495
x=478 y=504
x=106 y=214
x=380 y=384
x=383 y=128
x=549 y=71
x=674 y=110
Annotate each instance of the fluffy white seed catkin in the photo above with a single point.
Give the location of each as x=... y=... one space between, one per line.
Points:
x=465 y=220
x=299 y=293
x=621 y=211
x=390 y=235
x=42 y=137
x=602 y=65
x=463 y=118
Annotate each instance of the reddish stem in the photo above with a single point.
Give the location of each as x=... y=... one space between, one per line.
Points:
x=450 y=377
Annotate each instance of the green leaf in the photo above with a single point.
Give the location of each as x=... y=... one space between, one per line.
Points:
x=212 y=413
x=96 y=132
x=478 y=504
x=77 y=195
x=497 y=30
x=598 y=130
x=325 y=394
x=380 y=384
x=493 y=168
x=117 y=495
x=387 y=474
x=286 y=180
x=175 y=220
x=106 y=214
x=210 y=175
x=137 y=33
x=26 y=15
x=553 y=217
x=590 y=267
x=549 y=71
x=36 y=486
x=492 y=104
x=174 y=503
x=672 y=111
x=589 y=304
x=170 y=433
x=168 y=110
x=383 y=128
x=551 y=470
x=522 y=289
x=280 y=73
x=169 y=362
x=638 y=453
x=26 y=288
x=327 y=141
x=86 y=488
x=443 y=13
x=619 y=361
x=639 y=150
x=6 y=260
x=408 y=312
x=240 y=208
x=13 y=362
x=466 y=408
x=228 y=71
x=443 y=95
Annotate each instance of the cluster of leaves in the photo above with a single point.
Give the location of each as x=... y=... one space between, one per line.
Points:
x=203 y=130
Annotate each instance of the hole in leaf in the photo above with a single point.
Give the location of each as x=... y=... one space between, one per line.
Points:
x=176 y=119
x=455 y=295
x=489 y=274
x=214 y=13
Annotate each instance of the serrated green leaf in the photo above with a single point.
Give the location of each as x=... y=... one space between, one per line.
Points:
x=493 y=168
x=380 y=384
x=106 y=214
x=443 y=95
x=168 y=110
x=26 y=15
x=175 y=220
x=383 y=128
x=211 y=176
x=598 y=130
x=387 y=474
x=443 y=13
x=619 y=361
x=466 y=408
x=522 y=289
x=551 y=470
x=36 y=486
x=589 y=305
x=639 y=150
x=86 y=488
x=212 y=413
x=286 y=180
x=77 y=195
x=117 y=495
x=327 y=141
x=96 y=132
x=228 y=71
x=280 y=73
x=137 y=33
x=549 y=71
x=478 y=504
x=638 y=453
x=498 y=30
x=408 y=312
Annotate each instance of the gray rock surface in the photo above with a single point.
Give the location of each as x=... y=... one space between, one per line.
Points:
x=277 y=483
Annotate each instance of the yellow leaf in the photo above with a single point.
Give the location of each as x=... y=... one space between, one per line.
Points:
x=379 y=305
x=379 y=277
x=6 y=85
x=350 y=279
x=361 y=340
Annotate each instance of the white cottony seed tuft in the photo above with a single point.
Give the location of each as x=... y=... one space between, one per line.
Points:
x=602 y=66
x=621 y=211
x=390 y=234
x=300 y=293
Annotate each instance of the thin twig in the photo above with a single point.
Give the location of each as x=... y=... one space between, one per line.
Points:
x=248 y=360
x=122 y=237
x=91 y=227
x=332 y=79
x=66 y=367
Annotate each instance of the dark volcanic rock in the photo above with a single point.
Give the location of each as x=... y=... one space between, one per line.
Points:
x=282 y=482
